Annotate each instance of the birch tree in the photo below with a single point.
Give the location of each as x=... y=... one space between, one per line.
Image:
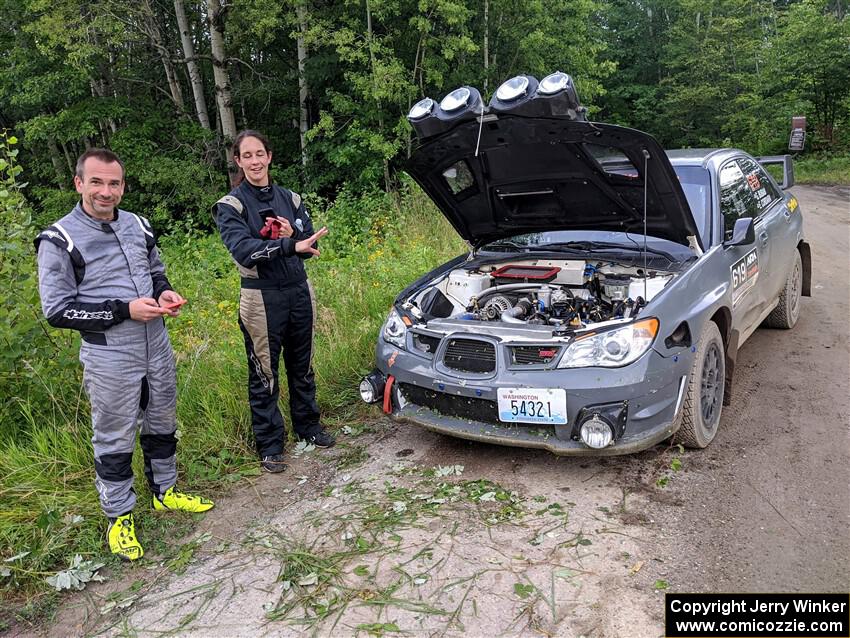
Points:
x=216 y=19
x=194 y=73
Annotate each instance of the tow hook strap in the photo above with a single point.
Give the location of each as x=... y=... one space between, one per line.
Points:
x=388 y=402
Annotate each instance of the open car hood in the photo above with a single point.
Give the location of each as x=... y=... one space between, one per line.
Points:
x=536 y=174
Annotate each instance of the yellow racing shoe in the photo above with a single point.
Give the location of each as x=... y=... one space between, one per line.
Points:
x=174 y=500
x=122 y=538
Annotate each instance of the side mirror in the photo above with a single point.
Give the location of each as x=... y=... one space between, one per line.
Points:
x=743 y=234
x=787 y=168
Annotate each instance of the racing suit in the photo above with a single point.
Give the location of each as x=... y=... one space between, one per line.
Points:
x=89 y=270
x=276 y=309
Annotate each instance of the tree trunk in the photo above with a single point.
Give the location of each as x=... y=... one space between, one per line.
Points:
x=303 y=88
x=192 y=65
x=152 y=30
x=375 y=88
x=56 y=160
x=222 y=78
x=486 y=44
x=68 y=160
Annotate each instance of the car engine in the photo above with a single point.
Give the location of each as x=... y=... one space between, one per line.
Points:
x=574 y=293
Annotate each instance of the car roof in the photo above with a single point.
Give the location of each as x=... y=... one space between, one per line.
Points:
x=698 y=156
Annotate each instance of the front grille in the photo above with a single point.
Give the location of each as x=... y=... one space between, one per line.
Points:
x=451 y=405
x=425 y=343
x=470 y=355
x=533 y=355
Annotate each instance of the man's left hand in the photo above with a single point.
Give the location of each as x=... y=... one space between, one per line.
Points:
x=168 y=297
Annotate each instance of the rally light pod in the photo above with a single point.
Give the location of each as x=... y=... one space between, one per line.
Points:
x=429 y=118
x=514 y=93
x=557 y=95
x=554 y=96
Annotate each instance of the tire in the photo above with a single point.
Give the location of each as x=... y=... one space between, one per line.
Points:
x=787 y=312
x=706 y=385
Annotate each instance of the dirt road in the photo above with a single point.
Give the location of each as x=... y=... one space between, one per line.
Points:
x=401 y=530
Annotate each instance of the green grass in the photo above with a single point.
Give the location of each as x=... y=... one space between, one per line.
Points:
x=826 y=170
x=46 y=464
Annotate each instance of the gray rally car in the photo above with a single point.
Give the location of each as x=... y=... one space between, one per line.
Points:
x=609 y=283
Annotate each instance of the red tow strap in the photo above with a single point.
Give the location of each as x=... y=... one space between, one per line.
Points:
x=388 y=402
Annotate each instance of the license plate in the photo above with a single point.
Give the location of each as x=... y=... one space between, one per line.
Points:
x=529 y=405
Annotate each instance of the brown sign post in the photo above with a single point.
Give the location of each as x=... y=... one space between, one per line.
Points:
x=797 y=142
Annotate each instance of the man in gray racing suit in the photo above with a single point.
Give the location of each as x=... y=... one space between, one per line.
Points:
x=100 y=273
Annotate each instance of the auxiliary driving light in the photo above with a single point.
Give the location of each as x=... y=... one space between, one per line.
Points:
x=372 y=387
x=596 y=433
x=515 y=96
x=429 y=118
x=513 y=88
x=422 y=108
x=553 y=83
x=456 y=99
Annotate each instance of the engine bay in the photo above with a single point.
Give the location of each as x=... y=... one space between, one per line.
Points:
x=566 y=294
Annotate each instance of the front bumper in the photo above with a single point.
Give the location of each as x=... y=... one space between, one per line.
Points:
x=651 y=391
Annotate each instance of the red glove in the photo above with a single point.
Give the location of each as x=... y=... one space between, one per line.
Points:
x=272 y=229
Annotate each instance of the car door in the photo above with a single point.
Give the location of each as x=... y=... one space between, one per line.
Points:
x=746 y=263
x=781 y=226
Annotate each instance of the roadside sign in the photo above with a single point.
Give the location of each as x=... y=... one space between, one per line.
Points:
x=797 y=141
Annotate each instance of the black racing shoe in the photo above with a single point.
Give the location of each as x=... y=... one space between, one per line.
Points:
x=273 y=463
x=322 y=438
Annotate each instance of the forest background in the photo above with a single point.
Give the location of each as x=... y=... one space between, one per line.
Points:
x=168 y=83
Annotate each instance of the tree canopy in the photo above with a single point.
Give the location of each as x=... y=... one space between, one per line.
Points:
x=166 y=83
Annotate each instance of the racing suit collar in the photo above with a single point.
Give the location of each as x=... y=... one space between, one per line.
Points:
x=262 y=193
x=80 y=212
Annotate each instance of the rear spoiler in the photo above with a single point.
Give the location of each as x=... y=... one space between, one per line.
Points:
x=787 y=168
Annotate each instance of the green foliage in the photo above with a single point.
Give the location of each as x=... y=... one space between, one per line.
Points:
x=824 y=169
x=48 y=504
x=23 y=333
x=691 y=72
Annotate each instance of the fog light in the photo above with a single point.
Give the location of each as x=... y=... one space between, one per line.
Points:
x=367 y=392
x=596 y=433
x=372 y=387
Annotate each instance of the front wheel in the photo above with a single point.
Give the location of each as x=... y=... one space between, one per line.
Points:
x=787 y=311
x=704 y=398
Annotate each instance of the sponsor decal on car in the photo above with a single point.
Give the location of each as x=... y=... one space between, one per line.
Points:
x=744 y=275
x=753 y=181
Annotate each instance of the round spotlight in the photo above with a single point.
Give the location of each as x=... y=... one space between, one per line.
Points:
x=421 y=109
x=367 y=391
x=513 y=88
x=372 y=387
x=596 y=433
x=455 y=100
x=553 y=83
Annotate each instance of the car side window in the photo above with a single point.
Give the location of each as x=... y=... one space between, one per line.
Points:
x=737 y=199
x=757 y=179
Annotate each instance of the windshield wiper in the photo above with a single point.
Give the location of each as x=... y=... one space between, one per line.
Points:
x=506 y=245
x=592 y=246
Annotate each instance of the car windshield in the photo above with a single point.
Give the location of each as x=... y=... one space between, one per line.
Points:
x=695 y=182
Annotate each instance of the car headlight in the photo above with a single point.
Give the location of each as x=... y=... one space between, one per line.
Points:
x=612 y=348
x=394 y=329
